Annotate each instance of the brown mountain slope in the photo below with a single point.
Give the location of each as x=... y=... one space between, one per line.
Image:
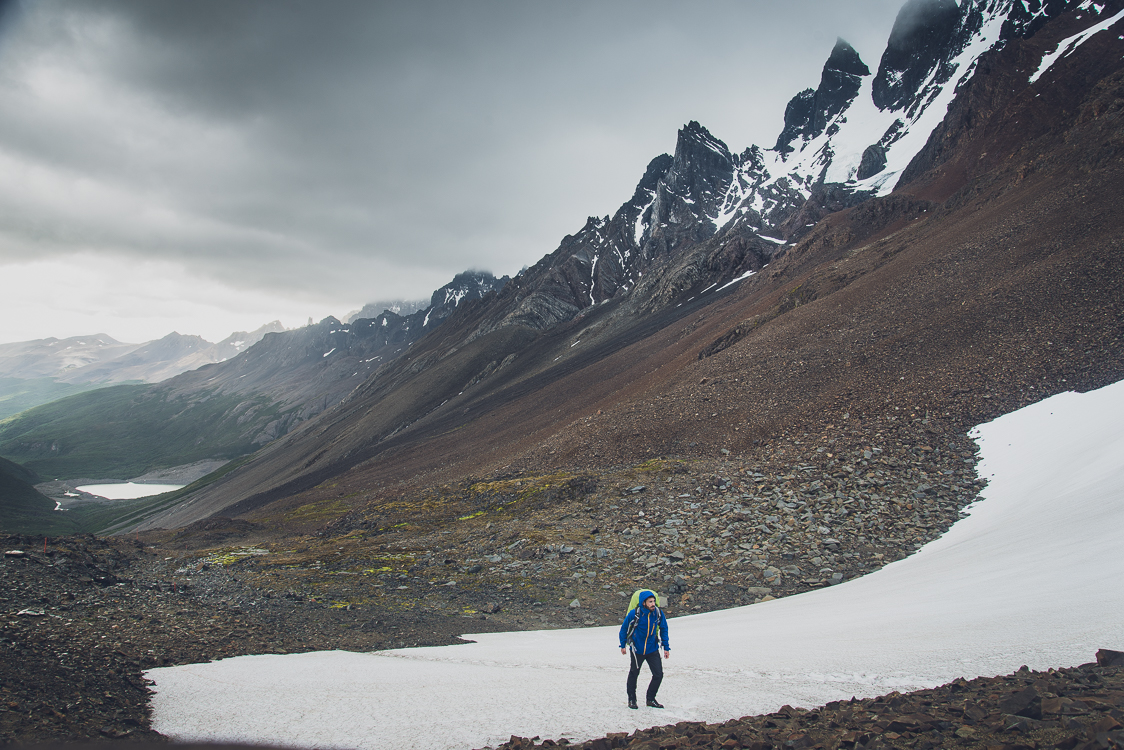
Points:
x=991 y=280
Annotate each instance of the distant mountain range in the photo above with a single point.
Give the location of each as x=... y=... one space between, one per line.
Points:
x=870 y=249
x=219 y=410
x=101 y=359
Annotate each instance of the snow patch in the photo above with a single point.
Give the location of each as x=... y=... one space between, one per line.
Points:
x=731 y=282
x=638 y=227
x=1067 y=46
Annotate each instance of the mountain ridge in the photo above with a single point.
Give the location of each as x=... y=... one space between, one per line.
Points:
x=523 y=431
x=690 y=239
x=102 y=359
x=282 y=380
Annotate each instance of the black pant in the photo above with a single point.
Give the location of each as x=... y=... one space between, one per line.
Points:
x=654 y=664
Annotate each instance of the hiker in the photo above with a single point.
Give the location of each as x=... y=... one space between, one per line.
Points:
x=644 y=628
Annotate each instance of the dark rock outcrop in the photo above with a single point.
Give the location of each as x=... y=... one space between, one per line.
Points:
x=809 y=113
x=920 y=42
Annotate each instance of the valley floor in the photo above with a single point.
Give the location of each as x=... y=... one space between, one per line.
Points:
x=1028 y=578
x=86 y=617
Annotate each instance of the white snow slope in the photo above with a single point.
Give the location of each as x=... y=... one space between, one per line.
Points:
x=1032 y=576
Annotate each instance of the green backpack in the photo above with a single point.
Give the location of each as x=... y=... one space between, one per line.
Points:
x=634 y=602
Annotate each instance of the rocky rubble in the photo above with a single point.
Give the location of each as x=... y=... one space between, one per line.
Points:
x=63 y=674
x=84 y=616
x=82 y=620
x=512 y=551
x=1081 y=708
x=567 y=548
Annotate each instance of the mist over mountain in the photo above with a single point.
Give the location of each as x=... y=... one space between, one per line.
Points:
x=398 y=307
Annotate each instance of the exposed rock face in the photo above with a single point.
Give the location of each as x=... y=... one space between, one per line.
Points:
x=894 y=290
x=689 y=194
x=873 y=161
x=929 y=49
x=467 y=286
x=809 y=112
x=1006 y=71
x=305 y=371
x=692 y=211
x=698 y=220
x=705 y=215
x=920 y=43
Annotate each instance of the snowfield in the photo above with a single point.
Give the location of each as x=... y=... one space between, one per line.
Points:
x=1032 y=576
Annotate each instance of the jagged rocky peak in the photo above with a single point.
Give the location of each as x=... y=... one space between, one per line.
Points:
x=797 y=117
x=920 y=40
x=844 y=59
x=631 y=221
x=1024 y=17
x=330 y=324
x=700 y=165
x=655 y=171
x=468 y=285
x=821 y=163
x=691 y=192
x=811 y=111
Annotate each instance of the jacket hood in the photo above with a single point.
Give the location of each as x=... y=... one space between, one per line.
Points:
x=644 y=596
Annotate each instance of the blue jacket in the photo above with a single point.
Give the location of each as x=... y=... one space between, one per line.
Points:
x=651 y=629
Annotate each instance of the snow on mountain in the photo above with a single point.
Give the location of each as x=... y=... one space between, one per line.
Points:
x=469 y=285
x=1067 y=46
x=933 y=49
x=101 y=359
x=850 y=138
x=862 y=131
x=238 y=342
x=977 y=601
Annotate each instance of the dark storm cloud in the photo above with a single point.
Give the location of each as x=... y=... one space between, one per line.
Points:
x=363 y=147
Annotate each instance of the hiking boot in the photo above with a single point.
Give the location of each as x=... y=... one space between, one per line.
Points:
x=653 y=703
x=632 y=703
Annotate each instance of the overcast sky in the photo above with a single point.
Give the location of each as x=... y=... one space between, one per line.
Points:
x=207 y=167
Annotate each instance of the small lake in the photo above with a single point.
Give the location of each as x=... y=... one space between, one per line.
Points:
x=127 y=490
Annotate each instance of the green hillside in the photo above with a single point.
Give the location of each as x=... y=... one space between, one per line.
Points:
x=22 y=509
x=124 y=431
x=18 y=394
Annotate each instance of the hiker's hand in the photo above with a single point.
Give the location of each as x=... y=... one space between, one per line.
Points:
x=667 y=654
x=623 y=651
